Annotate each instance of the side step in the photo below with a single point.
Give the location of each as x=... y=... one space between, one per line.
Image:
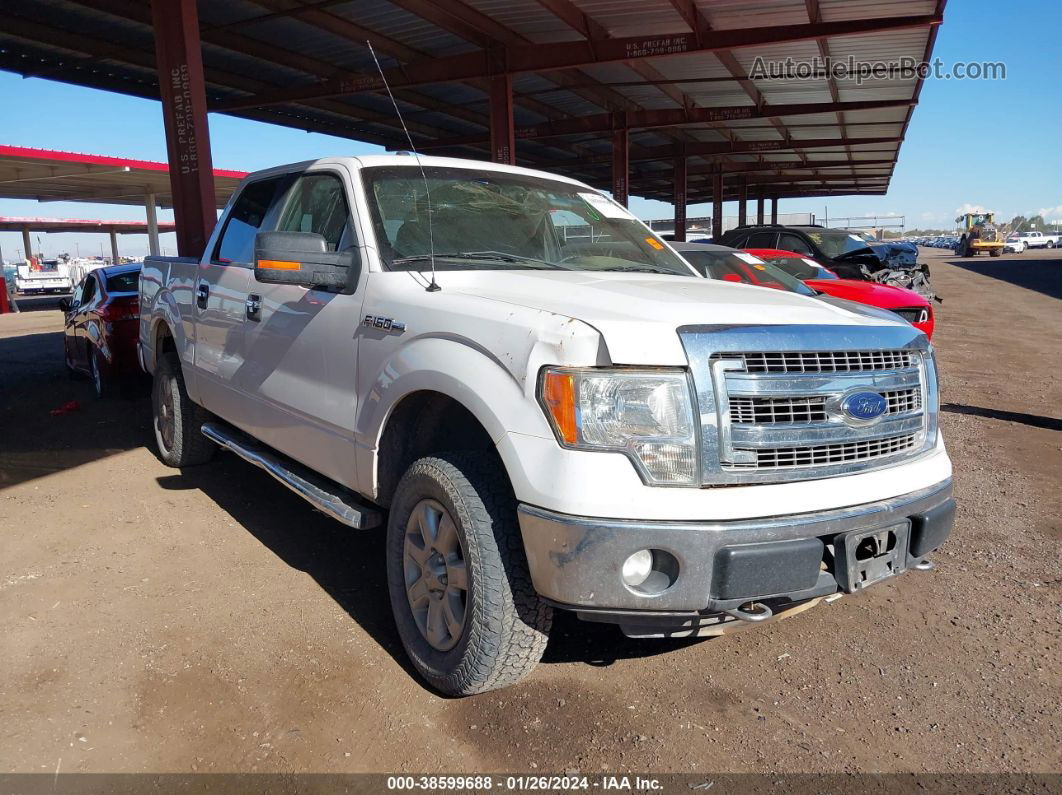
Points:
x=321 y=493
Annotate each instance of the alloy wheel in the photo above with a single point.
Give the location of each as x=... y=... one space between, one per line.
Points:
x=436 y=577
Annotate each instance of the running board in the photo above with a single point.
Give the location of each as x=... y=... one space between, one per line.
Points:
x=319 y=492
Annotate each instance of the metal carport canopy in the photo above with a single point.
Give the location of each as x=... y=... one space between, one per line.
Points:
x=651 y=97
x=48 y=175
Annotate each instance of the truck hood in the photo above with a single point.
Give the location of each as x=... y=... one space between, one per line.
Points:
x=637 y=314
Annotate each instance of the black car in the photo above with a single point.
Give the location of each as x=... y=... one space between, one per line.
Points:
x=837 y=249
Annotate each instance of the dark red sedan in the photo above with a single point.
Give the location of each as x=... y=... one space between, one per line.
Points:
x=102 y=322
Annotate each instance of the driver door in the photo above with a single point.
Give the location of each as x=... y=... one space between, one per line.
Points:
x=300 y=360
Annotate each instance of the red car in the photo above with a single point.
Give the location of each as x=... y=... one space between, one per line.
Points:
x=912 y=307
x=102 y=323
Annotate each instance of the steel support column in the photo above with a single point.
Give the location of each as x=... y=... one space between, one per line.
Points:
x=184 y=112
x=114 y=248
x=717 y=206
x=621 y=165
x=27 y=244
x=502 y=140
x=774 y=209
x=680 y=198
x=743 y=198
x=759 y=207
x=152 y=224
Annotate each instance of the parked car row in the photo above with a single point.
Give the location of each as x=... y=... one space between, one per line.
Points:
x=944 y=241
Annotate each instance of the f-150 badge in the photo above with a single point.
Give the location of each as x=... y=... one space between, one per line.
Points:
x=384 y=323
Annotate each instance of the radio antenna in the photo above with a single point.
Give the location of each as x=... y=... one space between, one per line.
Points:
x=434 y=286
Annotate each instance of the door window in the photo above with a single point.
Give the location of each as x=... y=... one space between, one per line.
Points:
x=236 y=246
x=316 y=204
x=90 y=290
x=761 y=240
x=793 y=243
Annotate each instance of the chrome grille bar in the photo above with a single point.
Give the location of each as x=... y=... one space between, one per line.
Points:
x=791 y=457
x=822 y=361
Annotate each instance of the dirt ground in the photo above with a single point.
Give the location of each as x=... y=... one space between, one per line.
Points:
x=152 y=620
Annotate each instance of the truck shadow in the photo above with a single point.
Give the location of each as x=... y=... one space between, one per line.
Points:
x=36 y=443
x=1044 y=275
x=349 y=564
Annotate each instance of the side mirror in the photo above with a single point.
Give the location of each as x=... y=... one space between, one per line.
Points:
x=303 y=258
x=64 y=304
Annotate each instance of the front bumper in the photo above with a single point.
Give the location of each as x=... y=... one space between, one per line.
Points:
x=576 y=561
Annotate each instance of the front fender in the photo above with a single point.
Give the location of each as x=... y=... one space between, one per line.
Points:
x=498 y=399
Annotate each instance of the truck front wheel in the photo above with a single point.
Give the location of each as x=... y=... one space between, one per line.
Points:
x=462 y=598
x=176 y=419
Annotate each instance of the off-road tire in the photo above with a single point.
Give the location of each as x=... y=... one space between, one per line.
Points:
x=506 y=624
x=997 y=252
x=188 y=446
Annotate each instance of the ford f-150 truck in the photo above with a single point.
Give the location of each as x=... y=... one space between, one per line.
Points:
x=1038 y=239
x=544 y=405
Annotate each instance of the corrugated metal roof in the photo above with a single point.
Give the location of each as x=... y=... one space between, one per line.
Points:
x=254 y=47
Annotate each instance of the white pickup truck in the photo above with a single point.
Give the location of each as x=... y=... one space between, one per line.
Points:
x=541 y=420
x=46 y=276
x=1038 y=239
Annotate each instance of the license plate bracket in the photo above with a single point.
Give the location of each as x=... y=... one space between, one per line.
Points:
x=865 y=557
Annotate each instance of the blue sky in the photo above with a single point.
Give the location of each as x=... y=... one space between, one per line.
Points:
x=993 y=144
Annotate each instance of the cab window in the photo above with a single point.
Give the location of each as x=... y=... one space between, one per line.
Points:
x=761 y=240
x=236 y=245
x=316 y=203
x=90 y=290
x=788 y=242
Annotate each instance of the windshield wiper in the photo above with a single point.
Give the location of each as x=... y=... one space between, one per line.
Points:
x=481 y=256
x=643 y=269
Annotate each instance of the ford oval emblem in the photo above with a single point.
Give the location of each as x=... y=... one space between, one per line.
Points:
x=864 y=406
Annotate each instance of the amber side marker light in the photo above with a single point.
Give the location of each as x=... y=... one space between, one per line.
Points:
x=278 y=265
x=558 y=393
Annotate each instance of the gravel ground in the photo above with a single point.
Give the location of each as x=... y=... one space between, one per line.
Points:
x=210 y=621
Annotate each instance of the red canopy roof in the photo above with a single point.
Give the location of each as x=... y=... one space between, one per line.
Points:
x=18 y=223
x=51 y=175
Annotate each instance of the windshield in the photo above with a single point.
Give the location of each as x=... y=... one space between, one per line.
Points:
x=492 y=220
x=835 y=244
x=737 y=266
x=800 y=267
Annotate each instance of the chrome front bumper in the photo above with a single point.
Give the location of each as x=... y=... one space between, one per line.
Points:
x=575 y=561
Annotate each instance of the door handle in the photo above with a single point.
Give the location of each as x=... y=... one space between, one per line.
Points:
x=253 y=307
x=202 y=292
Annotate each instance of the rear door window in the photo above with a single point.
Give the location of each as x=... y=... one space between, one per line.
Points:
x=236 y=245
x=790 y=242
x=761 y=240
x=90 y=290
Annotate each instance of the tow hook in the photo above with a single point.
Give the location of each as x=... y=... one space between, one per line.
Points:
x=925 y=565
x=751 y=611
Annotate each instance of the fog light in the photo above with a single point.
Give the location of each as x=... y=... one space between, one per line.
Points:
x=637 y=568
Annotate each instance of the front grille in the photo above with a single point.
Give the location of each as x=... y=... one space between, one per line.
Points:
x=772 y=398
x=752 y=410
x=771 y=410
x=822 y=361
x=903 y=400
x=827 y=454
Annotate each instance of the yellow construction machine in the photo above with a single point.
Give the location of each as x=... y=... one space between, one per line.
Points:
x=979 y=233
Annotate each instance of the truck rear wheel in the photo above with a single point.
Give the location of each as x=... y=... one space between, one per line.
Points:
x=176 y=419
x=461 y=594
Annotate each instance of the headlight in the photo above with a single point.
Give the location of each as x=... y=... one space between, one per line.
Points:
x=646 y=414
